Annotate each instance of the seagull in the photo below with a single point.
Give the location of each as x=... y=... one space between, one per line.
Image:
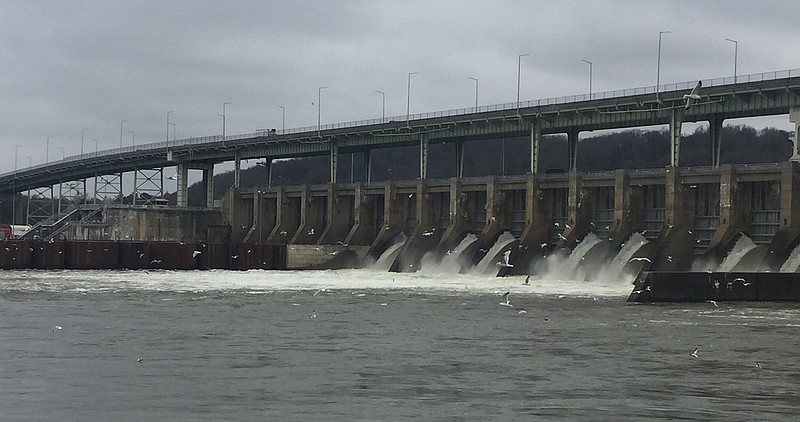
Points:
x=155 y=261
x=543 y=245
x=140 y=360
x=693 y=96
x=669 y=258
x=522 y=311
x=505 y=262
x=57 y=327
x=195 y=253
x=311 y=232
x=644 y=258
x=314 y=314
x=339 y=242
x=234 y=256
x=507 y=301
x=283 y=233
x=713 y=303
x=527 y=281
x=560 y=236
x=141 y=255
x=694 y=353
x=556 y=224
x=249 y=250
x=741 y=280
x=173 y=177
x=429 y=232
x=758 y=365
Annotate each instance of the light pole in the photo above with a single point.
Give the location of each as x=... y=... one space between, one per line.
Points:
x=319 y=110
x=283 y=119
x=83 y=131
x=224 y=104
x=735 y=56
x=658 y=67
x=590 y=77
x=476 y=91
x=383 y=105
x=62 y=153
x=133 y=137
x=174 y=131
x=16 y=153
x=519 y=71
x=408 y=98
x=47 y=151
x=95 y=147
x=122 y=122
x=168 y=125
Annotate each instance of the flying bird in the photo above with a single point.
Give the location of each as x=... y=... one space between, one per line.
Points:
x=643 y=258
x=693 y=96
x=694 y=353
x=713 y=303
x=195 y=253
x=505 y=263
x=527 y=280
x=506 y=301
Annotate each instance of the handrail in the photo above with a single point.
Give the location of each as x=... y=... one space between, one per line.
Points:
x=664 y=88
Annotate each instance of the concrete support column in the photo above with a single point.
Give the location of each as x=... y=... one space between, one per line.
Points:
x=425 y=235
x=182 y=194
x=459 y=158
x=367 y=165
x=794 y=117
x=337 y=217
x=715 y=135
x=458 y=215
x=363 y=225
x=208 y=184
x=497 y=212
x=628 y=214
x=237 y=169
x=236 y=213
x=257 y=200
x=734 y=210
x=578 y=210
x=535 y=137
x=312 y=218
x=334 y=159
x=537 y=221
x=423 y=157
x=675 y=123
x=393 y=218
x=789 y=230
x=268 y=169
x=572 y=145
x=674 y=244
x=287 y=218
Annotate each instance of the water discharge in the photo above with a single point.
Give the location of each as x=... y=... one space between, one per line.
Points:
x=488 y=265
x=387 y=258
x=559 y=268
x=451 y=262
x=739 y=250
x=792 y=264
x=615 y=271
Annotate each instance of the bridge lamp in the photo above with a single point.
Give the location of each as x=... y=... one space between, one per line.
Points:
x=168 y=125
x=283 y=119
x=658 y=66
x=476 y=91
x=383 y=105
x=47 y=151
x=319 y=109
x=62 y=153
x=519 y=72
x=590 y=76
x=133 y=137
x=224 y=104
x=735 y=56
x=83 y=131
x=408 y=97
x=122 y=122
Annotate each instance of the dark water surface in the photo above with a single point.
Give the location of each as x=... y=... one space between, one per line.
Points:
x=385 y=354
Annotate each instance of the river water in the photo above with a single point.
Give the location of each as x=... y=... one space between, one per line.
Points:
x=361 y=345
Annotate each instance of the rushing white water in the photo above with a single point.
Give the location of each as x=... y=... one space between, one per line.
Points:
x=488 y=265
x=740 y=249
x=559 y=268
x=387 y=258
x=450 y=262
x=792 y=264
x=615 y=270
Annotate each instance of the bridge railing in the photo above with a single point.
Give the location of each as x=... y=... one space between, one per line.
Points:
x=729 y=80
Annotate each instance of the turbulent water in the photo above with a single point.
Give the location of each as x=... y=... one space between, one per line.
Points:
x=365 y=345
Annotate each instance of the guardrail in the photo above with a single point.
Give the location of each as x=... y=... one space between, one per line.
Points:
x=729 y=80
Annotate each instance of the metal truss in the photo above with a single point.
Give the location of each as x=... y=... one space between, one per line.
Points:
x=148 y=185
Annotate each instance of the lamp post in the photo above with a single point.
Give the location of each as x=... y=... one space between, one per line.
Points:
x=133 y=137
x=283 y=119
x=95 y=147
x=122 y=122
x=383 y=105
x=224 y=104
x=476 y=91
x=47 y=151
x=168 y=125
x=735 y=56
x=658 y=66
x=590 y=76
x=519 y=74
x=30 y=161
x=62 y=153
x=16 y=153
x=408 y=98
x=174 y=131
x=319 y=110
x=83 y=131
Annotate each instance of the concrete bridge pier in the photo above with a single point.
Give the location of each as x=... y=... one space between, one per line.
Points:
x=287 y=218
x=237 y=213
x=264 y=212
x=715 y=135
x=572 y=145
x=208 y=183
x=536 y=231
x=675 y=123
x=794 y=117
x=334 y=159
x=535 y=137
x=459 y=158
x=628 y=212
x=363 y=231
x=459 y=217
x=674 y=247
x=337 y=220
x=367 y=176
x=734 y=215
x=312 y=218
x=182 y=193
x=237 y=168
x=579 y=212
x=788 y=235
x=425 y=235
x=498 y=214
x=394 y=211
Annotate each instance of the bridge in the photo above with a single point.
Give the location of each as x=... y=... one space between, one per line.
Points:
x=761 y=94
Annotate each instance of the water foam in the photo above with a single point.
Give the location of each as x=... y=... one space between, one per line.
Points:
x=387 y=258
x=560 y=268
x=450 y=263
x=792 y=264
x=739 y=250
x=615 y=270
x=488 y=265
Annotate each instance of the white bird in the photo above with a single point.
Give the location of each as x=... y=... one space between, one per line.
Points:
x=694 y=353
x=314 y=313
x=693 y=96
x=57 y=327
x=311 y=232
x=527 y=280
x=643 y=258
x=543 y=245
x=283 y=233
x=195 y=253
x=758 y=365
x=713 y=303
x=522 y=311
x=428 y=233
x=560 y=236
x=506 y=302
x=173 y=177
x=506 y=257
x=155 y=261
x=234 y=256
x=339 y=242
x=556 y=224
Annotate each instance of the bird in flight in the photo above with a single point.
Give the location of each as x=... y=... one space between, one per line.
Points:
x=506 y=300
x=506 y=257
x=694 y=353
x=693 y=96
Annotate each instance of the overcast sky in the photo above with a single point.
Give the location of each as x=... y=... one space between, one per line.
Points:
x=68 y=65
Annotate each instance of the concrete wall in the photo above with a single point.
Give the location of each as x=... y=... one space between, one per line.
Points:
x=148 y=224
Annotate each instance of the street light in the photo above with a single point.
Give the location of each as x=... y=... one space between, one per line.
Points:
x=16 y=153
x=83 y=131
x=62 y=153
x=133 y=137
x=224 y=104
x=383 y=105
x=174 y=131
x=476 y=91
x=283 y=119
x=319 y=110
x=735 y=56
x=120 y=134
x=47 y=151
x=95 y=147
x=658 y=68
x=519 y=71
x=590 y=76
x=168 y=125
x=408 y=98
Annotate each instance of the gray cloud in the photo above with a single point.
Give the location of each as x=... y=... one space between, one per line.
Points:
x=69 y=65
